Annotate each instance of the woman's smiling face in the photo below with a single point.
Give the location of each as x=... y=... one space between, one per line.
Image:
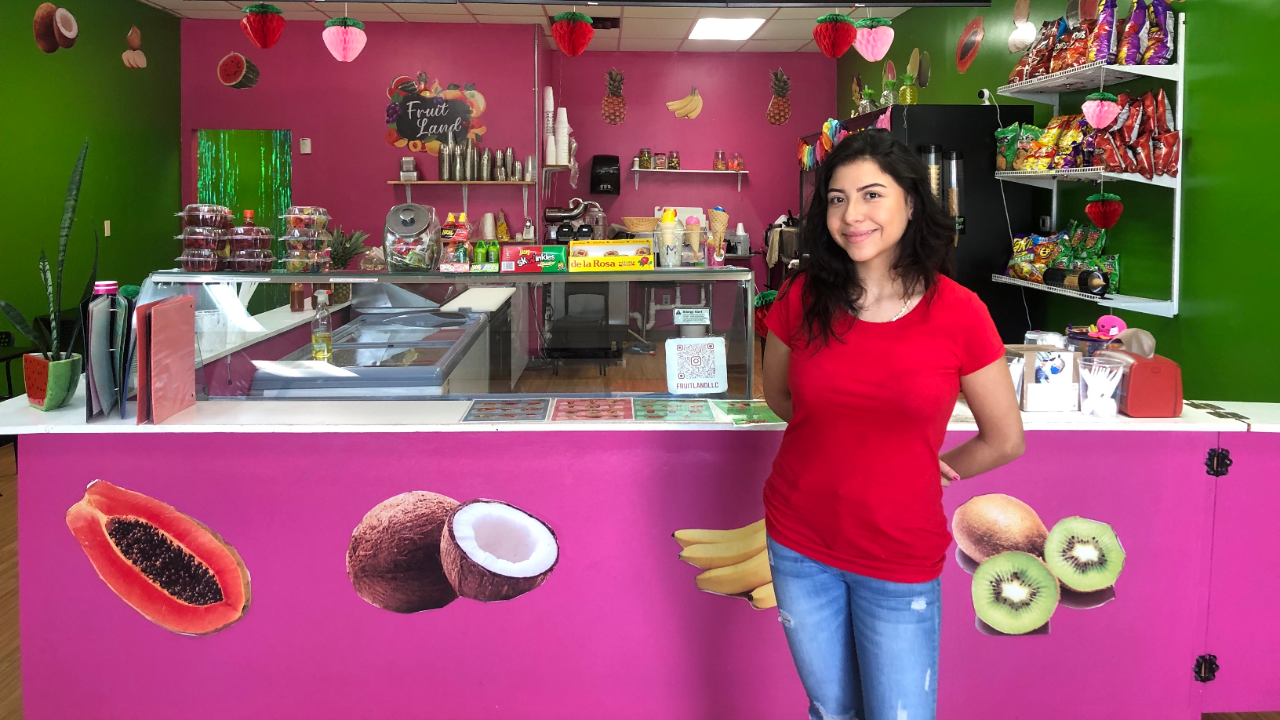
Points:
x=867 y=211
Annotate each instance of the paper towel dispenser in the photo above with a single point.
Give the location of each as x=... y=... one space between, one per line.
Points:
x=606 y=179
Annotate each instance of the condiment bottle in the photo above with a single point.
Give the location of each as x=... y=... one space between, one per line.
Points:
x=297 y=298
x=322 y=329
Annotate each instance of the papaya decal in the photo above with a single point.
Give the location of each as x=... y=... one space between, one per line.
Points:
x=166 y=565
x=421 y=113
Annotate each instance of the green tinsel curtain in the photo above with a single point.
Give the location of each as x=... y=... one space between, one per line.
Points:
x=250 y=170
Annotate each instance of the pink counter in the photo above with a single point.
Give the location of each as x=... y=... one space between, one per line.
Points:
x=619 y=630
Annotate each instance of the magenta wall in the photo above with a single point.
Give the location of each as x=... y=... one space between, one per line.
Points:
x=619 y=627
x=341 y=106
x=736 y=88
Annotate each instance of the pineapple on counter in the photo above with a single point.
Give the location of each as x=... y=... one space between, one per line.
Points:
x=613 y=109
x=780 y=105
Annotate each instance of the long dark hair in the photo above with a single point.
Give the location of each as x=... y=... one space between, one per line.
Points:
x=832 y=285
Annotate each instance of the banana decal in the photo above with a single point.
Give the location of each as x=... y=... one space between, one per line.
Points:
x=733 y=562
x=688 y=107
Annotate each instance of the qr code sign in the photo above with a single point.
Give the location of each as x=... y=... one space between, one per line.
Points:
x=697 y=361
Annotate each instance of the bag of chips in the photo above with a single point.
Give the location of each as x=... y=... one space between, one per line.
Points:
x=1094 y=243
x=1027 y=137
x=1044 y=43
x=1127 y=159
x=1007 y=146
x=1168 y=152
x=1110 y=265
x=1160 y=40
x=1148 y=114
x=1164 y=115
x=1042 y=62
x=1145 y=151
x=1072 y=48
x=1023 y=267
x=1129 y=131
x=1070 y=141
x=1134 y=40
x=1023 y=244
x=1102 y=43
x=1107 y=154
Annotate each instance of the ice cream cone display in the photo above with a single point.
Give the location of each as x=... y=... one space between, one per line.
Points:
x=733 y=562
x=717 y=224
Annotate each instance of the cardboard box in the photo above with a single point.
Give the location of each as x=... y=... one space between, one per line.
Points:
x=610 y=255
x=1050 y=377
x=534 y=259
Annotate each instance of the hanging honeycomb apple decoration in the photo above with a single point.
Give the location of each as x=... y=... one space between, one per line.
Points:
x=345 y=38
x=1101 y=110
x=1104 y=209
x=834 y=34
x=873 y=39
x=572 y=32
x=263 y=24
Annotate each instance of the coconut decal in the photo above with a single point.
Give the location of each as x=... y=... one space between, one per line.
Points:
x=133 y=57
x=1022 y=572
x=54 y=28
x=422 y=114
x=422 y=550
x=168 y=566
x=733 y=562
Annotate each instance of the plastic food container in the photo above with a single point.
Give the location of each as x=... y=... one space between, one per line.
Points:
x=306 y=239
x=301 y=261
x=250 y=237
x=211 y=216
x=251 y=261
x=198 y=260
x=306 y=217
x=202 y=238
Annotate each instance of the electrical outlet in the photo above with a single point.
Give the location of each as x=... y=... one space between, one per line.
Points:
x=304 y=146
x=106 y=228
x=1046 y=224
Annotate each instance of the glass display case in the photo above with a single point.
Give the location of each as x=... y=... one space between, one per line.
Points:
x=661 y=333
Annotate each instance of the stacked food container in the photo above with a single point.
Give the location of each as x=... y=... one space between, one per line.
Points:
x=306 y=239
x=250 y=247
x=204 y=237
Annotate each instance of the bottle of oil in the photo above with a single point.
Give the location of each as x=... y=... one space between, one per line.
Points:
x=322 y=329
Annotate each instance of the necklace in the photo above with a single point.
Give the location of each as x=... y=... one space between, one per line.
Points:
x=902 y=312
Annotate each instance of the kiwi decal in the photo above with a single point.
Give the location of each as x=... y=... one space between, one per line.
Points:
x=970 y=42
x=422 y=550
x=1023 y=572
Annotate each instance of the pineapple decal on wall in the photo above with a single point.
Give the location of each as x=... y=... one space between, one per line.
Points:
x=779 y=105
x=614 y=107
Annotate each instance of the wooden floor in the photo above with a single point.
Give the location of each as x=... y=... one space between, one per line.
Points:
x=10 y=669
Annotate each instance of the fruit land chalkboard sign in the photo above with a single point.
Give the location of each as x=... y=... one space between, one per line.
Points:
x=421 y=113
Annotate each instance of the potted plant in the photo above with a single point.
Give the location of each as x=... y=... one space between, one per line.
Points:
x=52 y=374
x=342 y=250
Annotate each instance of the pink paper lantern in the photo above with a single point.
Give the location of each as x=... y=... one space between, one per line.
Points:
x=1101 y=110
x=345 y=38
x=873 y=39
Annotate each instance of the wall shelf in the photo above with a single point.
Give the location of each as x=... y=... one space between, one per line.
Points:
x=738 y=173
x=1163 y=308
x=1086 y=78
x=465 y=185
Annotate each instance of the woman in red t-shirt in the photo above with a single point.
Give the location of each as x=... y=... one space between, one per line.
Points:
x=869 y=345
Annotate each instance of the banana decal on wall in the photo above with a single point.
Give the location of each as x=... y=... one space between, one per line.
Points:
x=688 y=107
x=734 y=562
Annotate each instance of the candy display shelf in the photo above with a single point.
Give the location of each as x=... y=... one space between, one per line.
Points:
x=1163 y=308
x=739 y=173
x=1089 y=78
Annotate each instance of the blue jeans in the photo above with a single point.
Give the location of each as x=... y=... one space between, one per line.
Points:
x=865 y=649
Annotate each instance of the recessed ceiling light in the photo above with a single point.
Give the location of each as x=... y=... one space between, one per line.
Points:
x=725 y=28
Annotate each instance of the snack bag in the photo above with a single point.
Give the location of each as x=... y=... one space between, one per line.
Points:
x=1168 y=151
x=1054 y=130
x=1042 y=54
x=1041 y=157
x=1023 y=244
x=1089 y=148
x=1071 y=142
x=1159 y=48
x=1148 y=114
x=1045 y=39
x=1134 y=40
x=1072 y=48
x=1022 y=267
x=1127 y=158
x=1164 y=115
x=1094 y=242
x=1146 y=156
x=1102 y=43
x=1007 y=146
x=1027 y=137
x=1110 y=264
x=1128 y=132
x=1107 y=154
x=1046 y=253
x=1079 y=231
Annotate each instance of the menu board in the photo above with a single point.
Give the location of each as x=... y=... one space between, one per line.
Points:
x=592 y=409
x=534 y=410
x=673 y=410
x=748 y=412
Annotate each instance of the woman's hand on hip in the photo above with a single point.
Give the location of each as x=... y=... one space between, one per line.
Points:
x=948 y=475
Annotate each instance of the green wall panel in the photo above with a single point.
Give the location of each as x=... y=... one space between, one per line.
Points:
x=49 y=104
x=1228 y=331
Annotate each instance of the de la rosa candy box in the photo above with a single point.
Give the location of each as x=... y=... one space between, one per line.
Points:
x=606 y=255
x=534 y=259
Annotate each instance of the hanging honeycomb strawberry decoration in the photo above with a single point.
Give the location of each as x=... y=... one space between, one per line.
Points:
x=572 y=32
x=263 y=24
x=834 y=34
x=1104 y=209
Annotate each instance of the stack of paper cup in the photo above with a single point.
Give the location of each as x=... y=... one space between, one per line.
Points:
x=668 y=244
x=562 y=136
x=488 y=228
x=550 y=155
x=548 y=113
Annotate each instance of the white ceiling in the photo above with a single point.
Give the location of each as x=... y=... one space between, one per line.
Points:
x=662 y=29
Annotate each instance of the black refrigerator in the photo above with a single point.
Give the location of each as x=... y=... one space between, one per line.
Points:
x=990 y=216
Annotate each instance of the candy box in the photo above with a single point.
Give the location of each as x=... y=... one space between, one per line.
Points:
x=610 y=255
x=534 y=259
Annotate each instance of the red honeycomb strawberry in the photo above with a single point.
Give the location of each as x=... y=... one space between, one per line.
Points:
x=263 y=23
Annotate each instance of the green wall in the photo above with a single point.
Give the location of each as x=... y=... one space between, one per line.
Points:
x=49 y=104
x=1227 y=334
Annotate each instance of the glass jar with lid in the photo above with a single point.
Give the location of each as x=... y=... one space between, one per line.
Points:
x=673 y=160
x=646 y=159
x=659 y=161
x=718 y=162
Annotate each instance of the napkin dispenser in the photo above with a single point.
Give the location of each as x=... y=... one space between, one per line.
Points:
x=1151 y=387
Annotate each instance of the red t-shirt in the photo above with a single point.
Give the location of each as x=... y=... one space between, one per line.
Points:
x=856 y=484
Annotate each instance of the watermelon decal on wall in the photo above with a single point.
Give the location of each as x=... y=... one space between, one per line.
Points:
x=237 y=71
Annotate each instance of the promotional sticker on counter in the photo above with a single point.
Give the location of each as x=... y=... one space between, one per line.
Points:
x=1023 y=571
x=678 y=411
x=592 y=409
x=696 y=366
x=748 y=412
x=534 y=410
